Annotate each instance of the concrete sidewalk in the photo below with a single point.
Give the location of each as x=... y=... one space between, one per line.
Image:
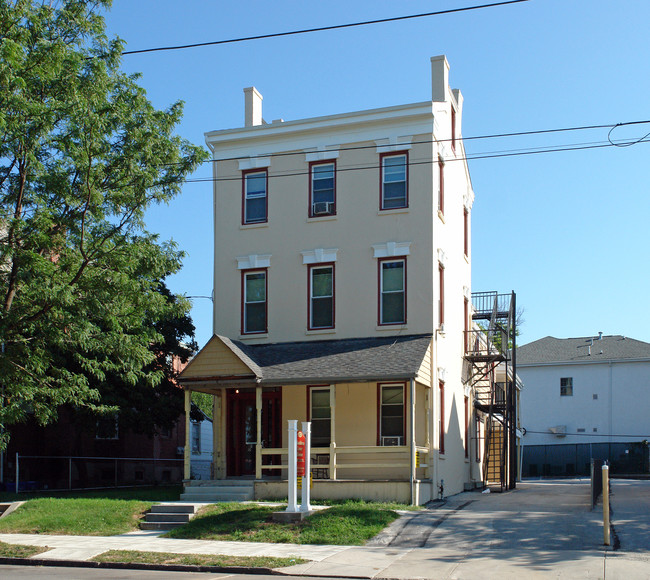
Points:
x=542 y=529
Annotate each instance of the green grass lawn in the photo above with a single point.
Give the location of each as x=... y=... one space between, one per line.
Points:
x=78 y=516
x=350 y=523
x=19 y=551
x=196 y=559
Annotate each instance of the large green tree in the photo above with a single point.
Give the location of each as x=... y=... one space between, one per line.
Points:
x=83 y=154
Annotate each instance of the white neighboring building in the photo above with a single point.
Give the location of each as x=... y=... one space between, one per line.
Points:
x=201 y=441
x=581 y=392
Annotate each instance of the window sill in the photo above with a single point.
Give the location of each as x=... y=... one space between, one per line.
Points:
x=253 y=336
x=253 y=226
x=323 y=218
x=399 y=327
x=320 y=331
x=441 y=216
x=393 y=211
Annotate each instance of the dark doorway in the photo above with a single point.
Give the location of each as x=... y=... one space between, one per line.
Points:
x=241 y=436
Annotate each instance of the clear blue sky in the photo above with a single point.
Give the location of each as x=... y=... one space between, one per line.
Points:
x=567 y=231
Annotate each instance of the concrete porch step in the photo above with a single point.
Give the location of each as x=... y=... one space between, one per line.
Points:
x=167 y=516
x=223 y=490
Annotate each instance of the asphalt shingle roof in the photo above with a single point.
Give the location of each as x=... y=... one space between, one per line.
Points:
x=551 y=349
x=356 y=359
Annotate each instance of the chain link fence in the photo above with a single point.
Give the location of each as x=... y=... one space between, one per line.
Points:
x=571 y=459
x=37 y=472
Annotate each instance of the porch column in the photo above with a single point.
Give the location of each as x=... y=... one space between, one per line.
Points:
x=223 y=425
x=413 y=450
x=332 y=470
x=216 y=424
x=258 y=445
x=187 y=451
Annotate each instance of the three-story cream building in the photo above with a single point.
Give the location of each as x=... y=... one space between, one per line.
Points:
x=342 y=277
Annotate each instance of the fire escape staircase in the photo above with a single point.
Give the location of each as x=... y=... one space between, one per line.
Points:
x=490 y=345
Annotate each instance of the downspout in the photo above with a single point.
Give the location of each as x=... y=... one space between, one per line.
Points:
x=413 y=450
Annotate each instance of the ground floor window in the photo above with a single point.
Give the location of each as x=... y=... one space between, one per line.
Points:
x=320 y=413
x=391 y=414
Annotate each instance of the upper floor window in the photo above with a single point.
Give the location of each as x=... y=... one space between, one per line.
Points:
x=392 y=291
x=441 y=186
x=441 y=294
x=321 y=296
x=254 y=302
x=466 y=231
x=453 y=129
x=566 y=387
x=255 y=200
x=394 y=181
x=108 y=427
x=320 y=415
x=441 y=435
x=322 y=192
x=391 y=414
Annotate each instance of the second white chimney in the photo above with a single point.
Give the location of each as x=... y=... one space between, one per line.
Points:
x=253 y=107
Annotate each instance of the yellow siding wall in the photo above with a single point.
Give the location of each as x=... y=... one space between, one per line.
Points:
x=215 y=359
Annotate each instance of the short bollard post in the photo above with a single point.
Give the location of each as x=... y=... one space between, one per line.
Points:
x=606 y=503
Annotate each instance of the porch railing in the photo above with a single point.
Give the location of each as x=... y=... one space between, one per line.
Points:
x=325 y=460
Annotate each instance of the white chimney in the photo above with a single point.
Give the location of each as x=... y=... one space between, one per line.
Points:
x=253 y=107
x=439 y=78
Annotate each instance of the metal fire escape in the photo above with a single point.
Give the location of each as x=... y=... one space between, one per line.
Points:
x=491 y=370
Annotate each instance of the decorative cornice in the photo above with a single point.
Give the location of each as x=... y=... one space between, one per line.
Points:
x=390 y=249
x=319 y=255
x=253 y=261
x=254 y=163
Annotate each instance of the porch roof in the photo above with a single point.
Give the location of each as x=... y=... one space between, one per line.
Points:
x=312 y=362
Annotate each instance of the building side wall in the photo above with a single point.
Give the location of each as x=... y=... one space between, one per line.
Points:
x=606 y=401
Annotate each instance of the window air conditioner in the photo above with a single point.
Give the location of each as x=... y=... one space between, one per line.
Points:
x=391 y=441
x=322 y=207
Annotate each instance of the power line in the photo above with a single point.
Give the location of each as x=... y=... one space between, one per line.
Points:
x=321 y=28
x=477 y=156
x=610 y=126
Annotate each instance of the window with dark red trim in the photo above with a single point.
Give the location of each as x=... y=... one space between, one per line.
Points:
x=441 y=293
x=322 y=188
x=453 y=129
x=320 y=415
x=394 y=181
x=321 y=296
x=254 y=196
x=391 y=411
x=441 y=186
x=254 y=301
x=466 y=231
x=392 y=291
x=466 y=324
x=441 y=386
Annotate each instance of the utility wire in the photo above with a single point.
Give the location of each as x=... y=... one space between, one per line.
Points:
x=321 y=28
x=610 y=126
x=491 y=155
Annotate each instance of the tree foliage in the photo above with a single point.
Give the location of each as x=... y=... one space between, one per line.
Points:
x=83 y=154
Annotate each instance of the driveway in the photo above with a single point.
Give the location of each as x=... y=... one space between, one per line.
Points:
x=542 y=529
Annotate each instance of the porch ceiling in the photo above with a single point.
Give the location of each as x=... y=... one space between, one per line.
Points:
x=307 y=362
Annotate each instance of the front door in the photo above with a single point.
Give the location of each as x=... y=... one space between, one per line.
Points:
x=241 y=436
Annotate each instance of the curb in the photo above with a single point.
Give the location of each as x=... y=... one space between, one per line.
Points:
x=135 y=566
